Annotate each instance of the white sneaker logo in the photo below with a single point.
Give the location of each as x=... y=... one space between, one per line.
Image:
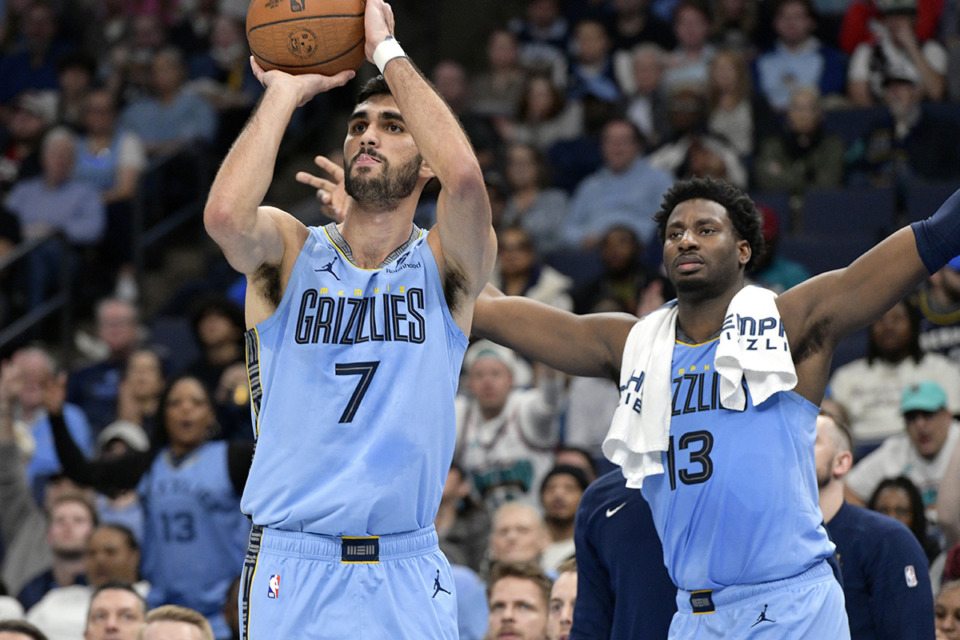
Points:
x=610 y=512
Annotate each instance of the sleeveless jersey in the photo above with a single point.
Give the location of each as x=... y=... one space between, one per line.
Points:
x=195 y=536
x=353 y=380
x=737 y=502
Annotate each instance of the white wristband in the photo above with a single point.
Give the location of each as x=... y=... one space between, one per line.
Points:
x=387 y=51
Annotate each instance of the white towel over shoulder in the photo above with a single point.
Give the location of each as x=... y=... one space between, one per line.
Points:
x=752 y=346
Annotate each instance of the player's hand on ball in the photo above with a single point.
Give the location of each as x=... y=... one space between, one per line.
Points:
x=377 y=25
x=332 y=192
x=307 y=85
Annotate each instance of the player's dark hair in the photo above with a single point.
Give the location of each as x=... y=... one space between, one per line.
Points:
x=740 y=208
x=913 y=346
x=22 y=626
x=524 y=571
x=375 y=86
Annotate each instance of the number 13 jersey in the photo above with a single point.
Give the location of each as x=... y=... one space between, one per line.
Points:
x=352 y=381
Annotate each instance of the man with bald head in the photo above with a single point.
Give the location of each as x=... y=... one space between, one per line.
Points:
x=519 y=534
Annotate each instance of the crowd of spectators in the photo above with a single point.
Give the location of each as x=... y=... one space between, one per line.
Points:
x=583 y=114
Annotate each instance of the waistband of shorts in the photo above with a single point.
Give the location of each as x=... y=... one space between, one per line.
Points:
x=324 y=547
x=735 y=594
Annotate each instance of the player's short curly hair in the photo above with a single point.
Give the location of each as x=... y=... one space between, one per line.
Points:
x=743 y=213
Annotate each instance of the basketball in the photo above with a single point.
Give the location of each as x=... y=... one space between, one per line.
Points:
x=307 y=36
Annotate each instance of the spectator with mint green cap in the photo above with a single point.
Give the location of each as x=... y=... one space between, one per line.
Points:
x=920 y=453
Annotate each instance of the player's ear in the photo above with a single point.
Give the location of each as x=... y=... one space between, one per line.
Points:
x=744 y=251
x=426 y=171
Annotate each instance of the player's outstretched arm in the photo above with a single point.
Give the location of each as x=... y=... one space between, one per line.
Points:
x=820 y=312
x=587 y=345
x=247 y=233
x=468 y=244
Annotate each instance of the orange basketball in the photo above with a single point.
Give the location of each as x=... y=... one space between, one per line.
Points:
x=306 y=36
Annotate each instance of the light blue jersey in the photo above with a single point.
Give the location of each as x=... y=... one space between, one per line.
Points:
x=737 y=503
x=195 y=536
x=353 y=380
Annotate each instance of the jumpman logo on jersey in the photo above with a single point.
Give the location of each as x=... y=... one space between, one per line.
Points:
x=436 y=586
x=329 y=267
x=762 y=617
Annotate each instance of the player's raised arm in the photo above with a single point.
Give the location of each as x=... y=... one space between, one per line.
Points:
x=247 y=233
x=587 y=345
x=468 y=244
x=823 y=310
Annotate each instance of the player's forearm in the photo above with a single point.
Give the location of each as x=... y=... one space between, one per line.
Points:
x=246 y=172
x=439 y=136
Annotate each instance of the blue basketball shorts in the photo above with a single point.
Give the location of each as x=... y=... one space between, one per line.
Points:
x=303 y=585
x=808 y=606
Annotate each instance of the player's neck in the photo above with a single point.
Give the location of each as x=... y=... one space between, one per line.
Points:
x=702 y=317
x=374 y=235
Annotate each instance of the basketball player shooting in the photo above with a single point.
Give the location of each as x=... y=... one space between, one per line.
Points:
x=719 y=396
x=356 y=333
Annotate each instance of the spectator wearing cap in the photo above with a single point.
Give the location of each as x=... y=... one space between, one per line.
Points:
x=505 y=435
x=921 y=453
x=939 y=304
x=560 y=494
x=897 y=53
x=908 y=142
x=772 y=270
x=121 y=506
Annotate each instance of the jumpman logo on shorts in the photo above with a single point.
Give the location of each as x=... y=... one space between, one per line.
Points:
x=436 y=586
x=329 y=267
x=762 y=617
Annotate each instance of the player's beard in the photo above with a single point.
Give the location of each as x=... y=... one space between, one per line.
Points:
x=384 y=192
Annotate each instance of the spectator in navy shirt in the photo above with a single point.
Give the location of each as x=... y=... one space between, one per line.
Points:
x=886 y=583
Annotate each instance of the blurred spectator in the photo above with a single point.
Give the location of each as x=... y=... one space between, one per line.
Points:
x=921 y=454
x=14 y=278
x=472 y=612
x=496 y=91
x=692 y=151
x=231 y=610
x=560 y=493
x=221 y=74
x=687 y=64
x=72 y=519
x=191 y=495
x=804 y=154
x=898 y=54
x=771 y=269
x=19 y=630
x=542 y=33
x=728 y=99
x=462 y=522
x=174 y=621
x=869 y=388
x=647 y=105
x=735 y=26
x=798 y=58
x=563 y=598
x=939 y=304
x=907 y=143
x=116 y=612
x=32 y=63
x=171 y=118
x=520 y=272
x=625 y=191
x=141 y=386
x=505 y=435
x=218 y=327
x=518 y=595
x=578 y=457
x=544 y=116
x=533 y=205
x=886 y=582
x=900 y=499
x=112 y=555
x=31 y=372
x=129 y=60
x=862 y=17
x=121 y=507
x=619 y=595
x=94 y=388
x=29 y=118
x=623 y=278
x=591 y=64
x=193 y=26
x=450 y=79
x=75 y=76
x=518 y=535
x=946 y=611
x=634 y=24
x=10 y=608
